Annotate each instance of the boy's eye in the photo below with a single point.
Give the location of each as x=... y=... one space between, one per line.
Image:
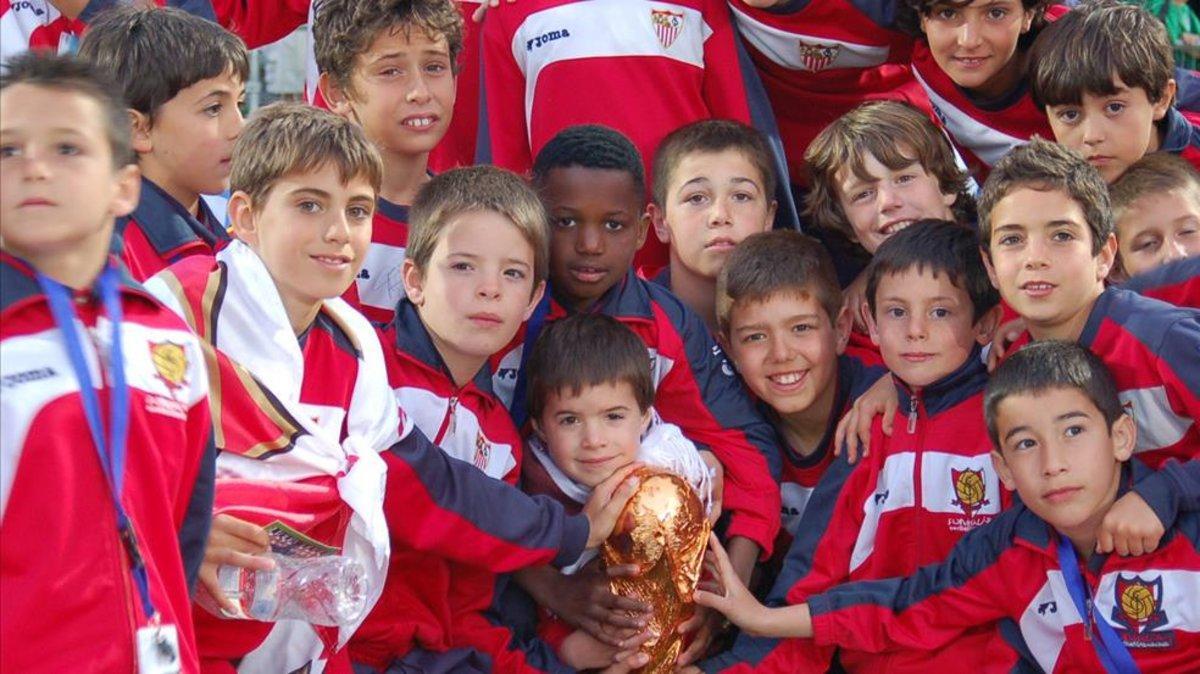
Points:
x=309 y=206
x=1067 y=115
x=615 y=416
x=894 y=312
x=803 y=327
x=945 y=13
x=390 y=71
x=1008 y=240
x=568 y=420
x=9 y=151
x=437 y=67
x=743 y=197
x=1063 y=236
x=514 y=273
x=940 y=312
x=1072 y=431
x=695 y=199
x=214 y=109
x=564 y=222
x=1025 y=443
x=461 y=266
x=359 y=212
x=67 y=149
x=753 y=337
x=997 y=13
x=613 y=225
x=1114 y=107
x=905 y=178
x=862 y=196
x=1147 y=244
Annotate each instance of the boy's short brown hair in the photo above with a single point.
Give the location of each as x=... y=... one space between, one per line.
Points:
x=587 y=350
x=1094 y=44
x=886 y=129
x=1155 y=173
x=909 y=13
x=345 y=29
x=779 y=261
x=153 y=53
x=285 y=138
x=477 y=188
x=711 y=136
x=1045 y=166
x=70 y=75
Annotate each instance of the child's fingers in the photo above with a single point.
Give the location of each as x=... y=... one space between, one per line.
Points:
x=623 y=570
x=717 y=602
x=1104 y=542
x=209 y=584
x=608 y=489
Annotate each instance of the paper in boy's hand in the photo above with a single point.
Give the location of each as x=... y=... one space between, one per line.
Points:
x=288 y=542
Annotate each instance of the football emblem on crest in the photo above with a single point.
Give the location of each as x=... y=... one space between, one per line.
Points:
x=970 y=490
x=1138 y=604
x=817 y=57
x=170 y=363
x=667 y=26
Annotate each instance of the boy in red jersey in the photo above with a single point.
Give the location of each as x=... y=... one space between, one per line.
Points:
x=1062 y=442
x=390 y=67
x=81 y=588
x=183 y=78
x=1104 y=76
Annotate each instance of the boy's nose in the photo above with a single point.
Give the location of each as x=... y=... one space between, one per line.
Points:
x=968 y=34
x=419 y=91
x=719 y=214
x=781 y=351
x=489 y=285
x=1174 y=250
x=589 y=240
x=916 y=326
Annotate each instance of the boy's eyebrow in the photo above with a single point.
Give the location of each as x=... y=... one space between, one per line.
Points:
x=476 y=256
x=789 y=319
x=1073 y=414
x=1013 y=431
x=311 y=190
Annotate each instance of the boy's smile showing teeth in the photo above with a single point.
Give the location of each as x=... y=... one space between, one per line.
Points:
x=333 y=261
x=421 y=122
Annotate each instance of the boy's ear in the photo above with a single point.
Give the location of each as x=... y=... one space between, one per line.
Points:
x=843 y=323
x=985 y=327
x=771 y=216
x=644 y=224
x=128 y=181
x=1164 y=102
x=536 y=296
x=335 y=96
x=1027 y=20
x=414 y=282
x=991 y=271
x=868 y=319
x=658 y=218
x=1106 y=258
x=139 y=126
x=647 y=417
x=1002 y=469
x=241 y=218
x=1124 y=437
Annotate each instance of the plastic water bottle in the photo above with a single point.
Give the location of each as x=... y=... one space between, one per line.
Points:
x=326 y=590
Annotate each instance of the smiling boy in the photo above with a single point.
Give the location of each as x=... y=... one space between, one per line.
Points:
x=390 y=67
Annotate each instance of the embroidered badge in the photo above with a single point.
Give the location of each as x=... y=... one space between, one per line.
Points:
x=170 y=362
x=667 y=26
x=483 y=451
x=970 y=489
x=817 y=57
x=1137 y=606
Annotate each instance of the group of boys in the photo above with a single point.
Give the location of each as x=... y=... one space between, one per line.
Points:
x=377 y=357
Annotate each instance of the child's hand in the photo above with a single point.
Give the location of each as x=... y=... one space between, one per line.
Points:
x=707 y=624
x=854 y=430
x=586 y=601
x=581 y=651
x=735 y=601
x=1005 y=336
x=1131 y=528
x=607 y=501
x=237 y=543
x=480 y=12
x=718 y=484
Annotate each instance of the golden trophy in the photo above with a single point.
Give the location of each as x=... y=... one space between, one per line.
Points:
x=664 y=530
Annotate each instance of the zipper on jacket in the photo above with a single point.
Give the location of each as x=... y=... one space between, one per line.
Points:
x=449 y=422
x=912 y=414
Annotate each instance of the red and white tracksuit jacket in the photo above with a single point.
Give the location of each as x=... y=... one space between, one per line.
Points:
x=1006 y=576
x=903 y=506
x=69 y=600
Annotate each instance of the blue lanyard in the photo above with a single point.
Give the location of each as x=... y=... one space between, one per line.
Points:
x=1109 y=648
x=112 y=449
x=520 y=406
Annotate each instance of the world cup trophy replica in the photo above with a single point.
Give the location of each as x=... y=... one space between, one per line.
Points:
x=664 y=530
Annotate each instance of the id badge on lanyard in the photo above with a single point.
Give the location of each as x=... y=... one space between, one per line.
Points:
x=157 y=644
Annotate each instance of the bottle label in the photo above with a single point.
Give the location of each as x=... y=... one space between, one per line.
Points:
x=288 y=542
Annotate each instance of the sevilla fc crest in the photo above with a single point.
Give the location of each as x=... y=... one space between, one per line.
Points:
x=170 y=362
x=483 y=452
x=817 y=57
x=667 y=26
x=970 y=490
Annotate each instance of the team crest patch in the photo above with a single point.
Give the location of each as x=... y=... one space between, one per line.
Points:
x=817 y=57
x=1137 y=607
x=483 y=451
x=667 y=26
x=170 y=362
x=970 y=489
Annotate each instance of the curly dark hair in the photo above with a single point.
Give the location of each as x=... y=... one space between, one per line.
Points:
x=344 y=29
